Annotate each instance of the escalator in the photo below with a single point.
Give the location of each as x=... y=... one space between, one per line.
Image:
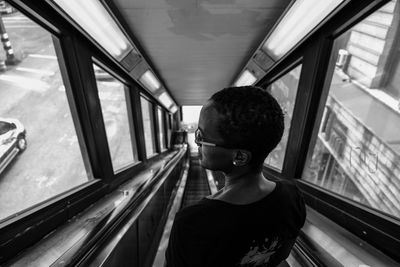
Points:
x=197 y=184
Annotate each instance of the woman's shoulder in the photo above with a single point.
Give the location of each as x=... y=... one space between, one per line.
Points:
x=291 y=200
x=195 y=212
x=199 y=220
x=288 y=188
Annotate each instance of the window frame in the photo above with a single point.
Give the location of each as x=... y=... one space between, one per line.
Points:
x=166 y=125
x=169 y=118
x=161 y=130
x=130 y=111
x=75 y=52
x=380 y=230
x=268 y=82
x=29 y=225
x=154 y=125
x=73 y=44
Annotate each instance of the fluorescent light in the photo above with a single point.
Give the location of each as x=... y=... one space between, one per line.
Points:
x=150 y=81
x=246 y=78
x=98 y=23
x=174 y=109
x=191 y=113
x=301 y=18
x=166 y=100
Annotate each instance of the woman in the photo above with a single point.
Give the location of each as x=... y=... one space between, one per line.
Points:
x=252 y=221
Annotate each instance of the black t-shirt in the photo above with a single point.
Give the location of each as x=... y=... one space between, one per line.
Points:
x=216 y=233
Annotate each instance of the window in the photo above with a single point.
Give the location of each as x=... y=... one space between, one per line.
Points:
x=161 y=129
x=40 y=154
x=284 y=90
x=148 y=126
x=169 y=129
x=357 y=151
x=4 y=127
x=113 y=96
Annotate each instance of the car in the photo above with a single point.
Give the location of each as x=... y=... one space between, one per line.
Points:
x=12 y=141
x=6 y=8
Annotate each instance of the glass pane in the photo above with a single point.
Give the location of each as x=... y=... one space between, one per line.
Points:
x=357 y=151
x=161 y=132
x=148 y=126
x=40 y=154
x=169 y=130
x=120 y=134
x=284 y=90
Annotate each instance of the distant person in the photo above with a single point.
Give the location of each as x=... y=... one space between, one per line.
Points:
x=252 y=221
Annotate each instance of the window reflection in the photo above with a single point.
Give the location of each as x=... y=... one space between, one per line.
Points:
x=113 y=101
x=161 y=129
x=169 y=129
x=284 y=90
x=357 y=151
x=148 y=126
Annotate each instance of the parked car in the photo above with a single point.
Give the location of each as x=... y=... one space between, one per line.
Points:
x=6 y=8
x=12 y=140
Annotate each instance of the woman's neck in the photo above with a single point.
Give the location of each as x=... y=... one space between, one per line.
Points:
x=244 y=188
x=243 y=180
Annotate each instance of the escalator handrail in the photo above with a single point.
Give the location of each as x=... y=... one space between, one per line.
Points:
x=132 y=209
x=77 y=239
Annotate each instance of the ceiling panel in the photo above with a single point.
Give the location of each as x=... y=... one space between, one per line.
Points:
x=199 y=46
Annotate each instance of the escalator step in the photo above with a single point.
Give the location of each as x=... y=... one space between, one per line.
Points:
x=196 y=185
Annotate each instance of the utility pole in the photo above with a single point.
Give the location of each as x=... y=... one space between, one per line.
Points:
x=10 y=58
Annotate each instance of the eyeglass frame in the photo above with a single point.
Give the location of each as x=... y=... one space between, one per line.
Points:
x=206 y=143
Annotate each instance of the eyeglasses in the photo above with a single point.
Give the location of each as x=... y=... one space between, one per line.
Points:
x=198 y=139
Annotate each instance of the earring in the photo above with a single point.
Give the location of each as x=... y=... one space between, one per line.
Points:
x=235 y=163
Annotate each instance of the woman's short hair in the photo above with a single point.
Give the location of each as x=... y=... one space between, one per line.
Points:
x=251 y=119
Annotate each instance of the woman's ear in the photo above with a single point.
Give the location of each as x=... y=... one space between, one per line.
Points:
x=241 y=158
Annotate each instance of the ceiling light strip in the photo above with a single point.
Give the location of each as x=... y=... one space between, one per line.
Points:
x=166 y=100
x=302 y=17
x=149 y=80
x=246 y=78
x=95 y=20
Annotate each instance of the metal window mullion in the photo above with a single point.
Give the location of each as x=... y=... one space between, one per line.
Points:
x=97 y=128
x=75 y=90
x=314 y=78
x=156 y=127
x=64 y=46
x=279 y=72
x=165 y=129
x=136 y=108
x=131 y=120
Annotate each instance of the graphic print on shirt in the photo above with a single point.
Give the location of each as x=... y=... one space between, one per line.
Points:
x=260 y=253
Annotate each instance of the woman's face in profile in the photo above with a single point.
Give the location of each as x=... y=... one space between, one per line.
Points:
x=213 y=157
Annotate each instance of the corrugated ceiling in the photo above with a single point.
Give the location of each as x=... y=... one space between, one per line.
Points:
x=199 y=46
